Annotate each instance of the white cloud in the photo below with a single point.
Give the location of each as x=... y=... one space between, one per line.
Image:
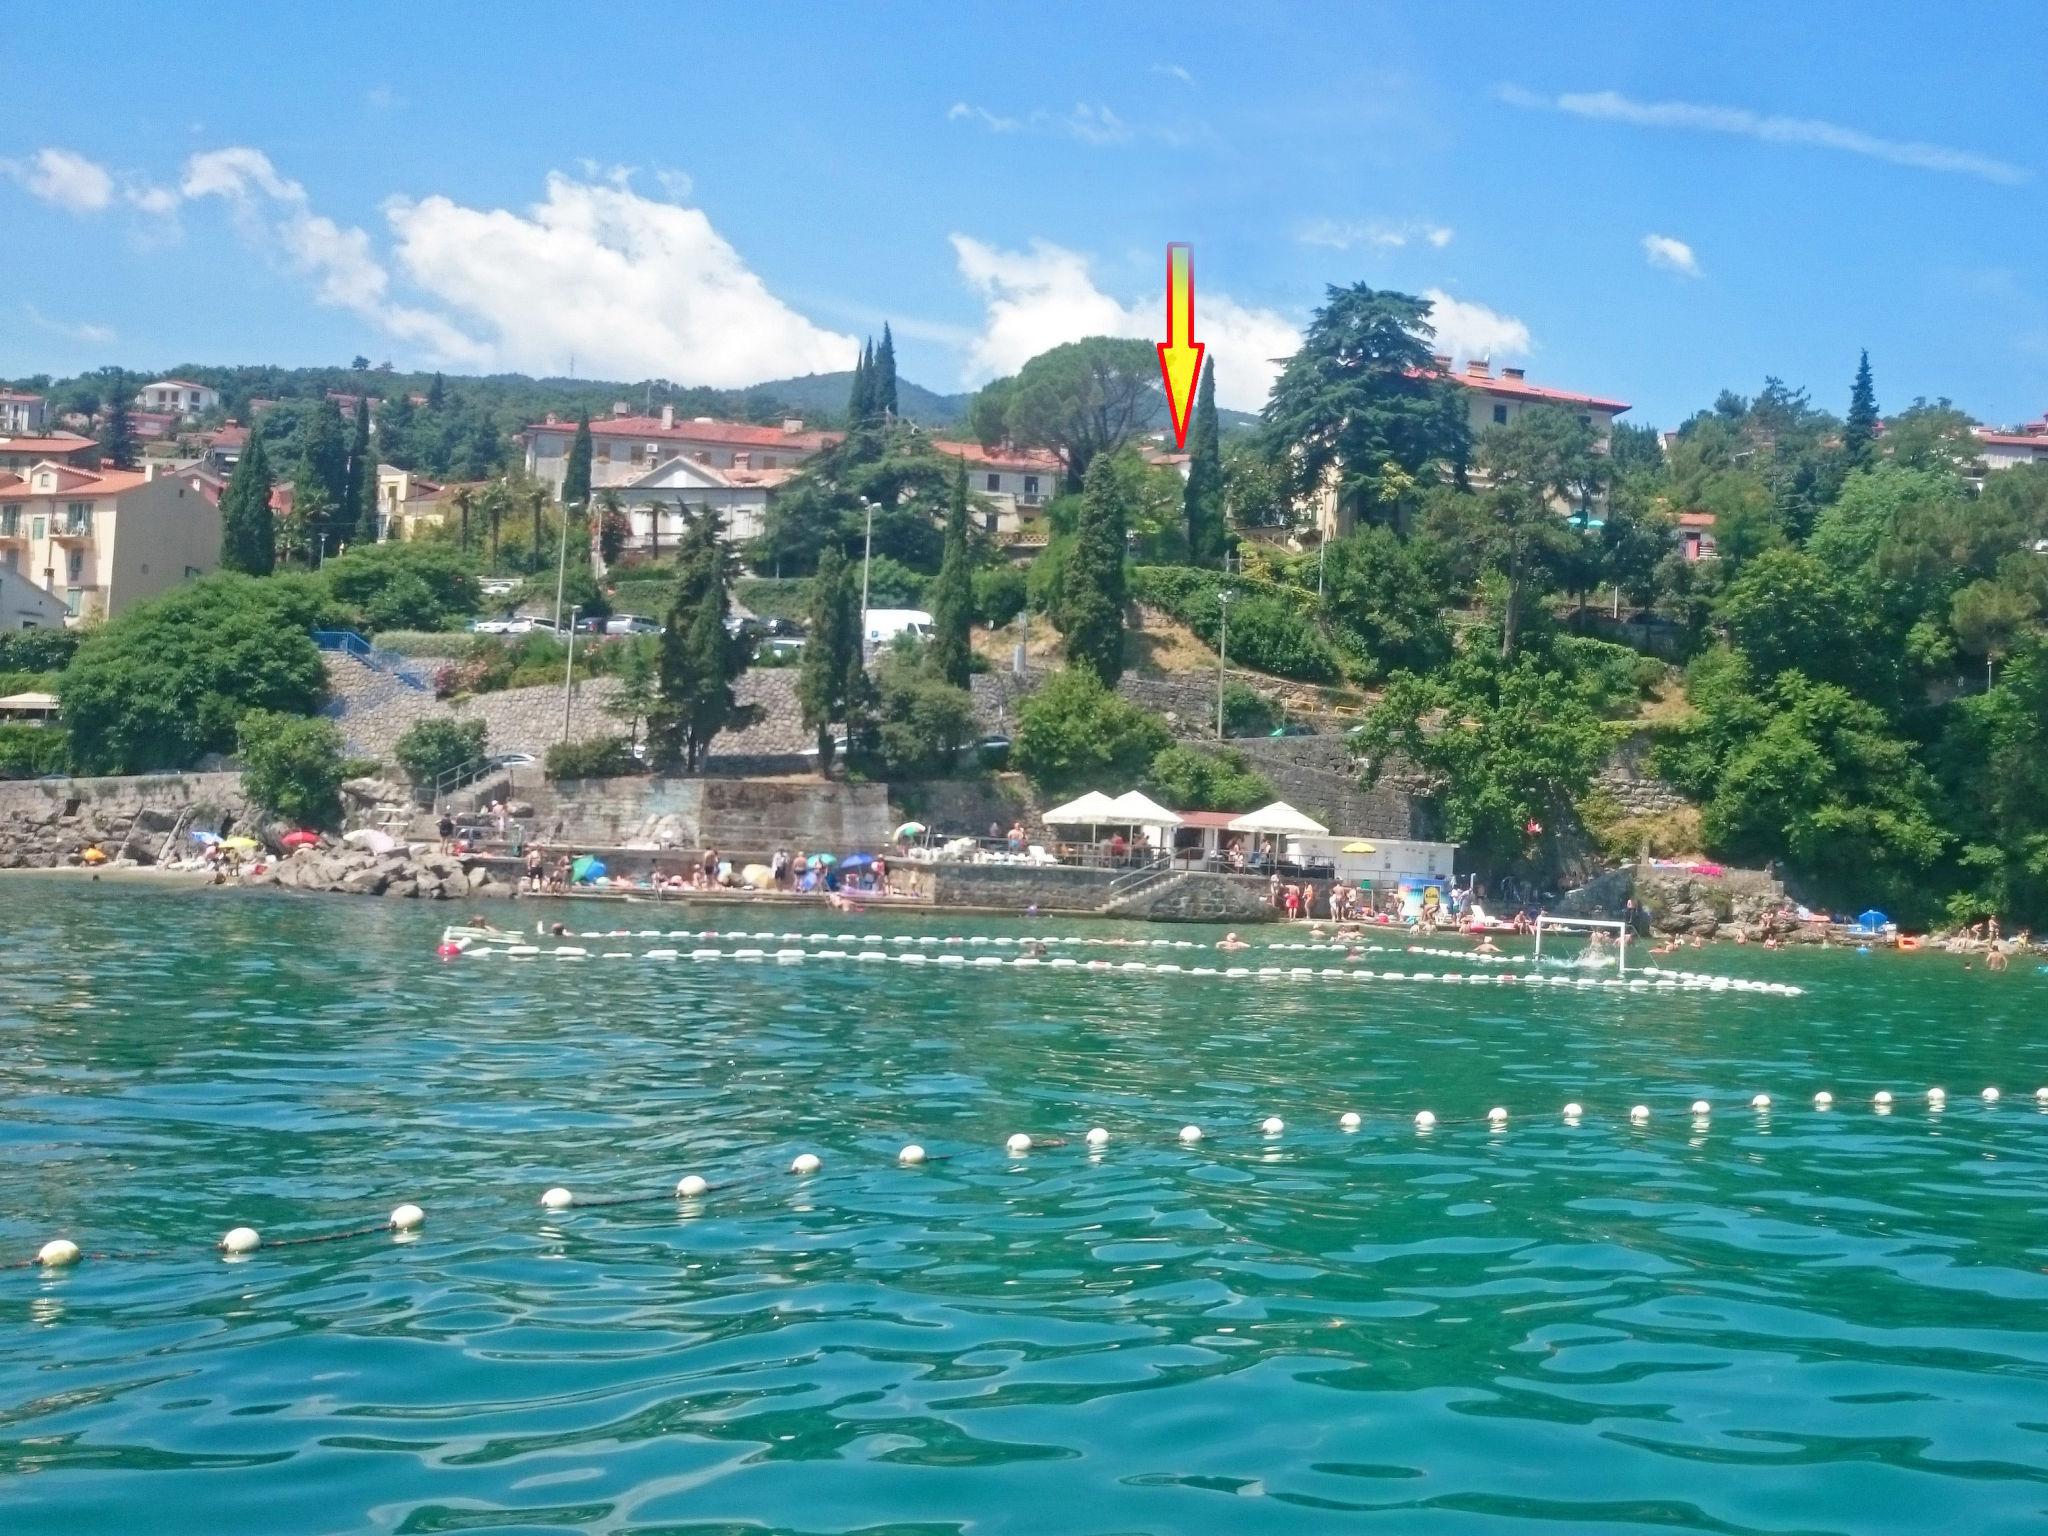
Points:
x=628 y=285
x=1041 y=297
x=85 y=331
x=1672 y=254
x=1612 y=106
x=1343 y=234
x=274 y=211
x=962 y=112
x=1467 y=329
x=1174 y=72
x=1085 y=122
x=64 y=178
x=160 y=202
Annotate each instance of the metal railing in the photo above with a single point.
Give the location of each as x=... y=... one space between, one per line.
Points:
x=451 y=779
x=347 y=642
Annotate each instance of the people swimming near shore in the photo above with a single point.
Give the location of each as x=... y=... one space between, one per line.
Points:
x=1231 y=941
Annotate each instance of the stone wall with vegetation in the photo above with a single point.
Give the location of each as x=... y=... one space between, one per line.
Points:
x=48 y=822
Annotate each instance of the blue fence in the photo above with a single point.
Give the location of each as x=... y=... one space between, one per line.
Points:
x=349 y=643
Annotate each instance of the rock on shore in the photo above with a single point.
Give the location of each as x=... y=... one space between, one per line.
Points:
x=358 y=872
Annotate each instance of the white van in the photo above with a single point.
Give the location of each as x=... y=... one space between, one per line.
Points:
x=885 y=624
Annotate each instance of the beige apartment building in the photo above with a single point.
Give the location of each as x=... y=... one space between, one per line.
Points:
x=101 y=541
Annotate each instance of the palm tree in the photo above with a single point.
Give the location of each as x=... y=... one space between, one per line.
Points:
x=494 y=506
x=540 y=500
x=463 y=500
x=654 y=531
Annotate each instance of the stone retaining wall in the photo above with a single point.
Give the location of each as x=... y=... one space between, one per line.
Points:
x=47 y=822
x=1189 y=896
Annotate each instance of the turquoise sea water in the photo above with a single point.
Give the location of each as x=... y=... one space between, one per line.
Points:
x=1800 y=1322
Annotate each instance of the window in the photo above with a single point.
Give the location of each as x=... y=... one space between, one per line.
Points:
x=1500 y=415
x=72 y=599
x=767 y=461
x=995 y=482
x=10 y=522
x=38 y=527
x=10 y=559
x=604 y=453
x=76 y=570
x=78 y=516
x=191 y=571
x=639 y=453
x=1031 y=487
x=1585 y=420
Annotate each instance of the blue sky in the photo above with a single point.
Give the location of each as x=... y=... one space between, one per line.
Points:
x=1623 y=198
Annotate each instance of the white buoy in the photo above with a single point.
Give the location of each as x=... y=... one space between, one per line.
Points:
x=1937 y=1096
x=805 y=1163
x=1574 y=1110
x=1990 y=1095
x=1882 y=1098
x=1639 y=1114
x=2041 y=1095
x=558 y=1199
x=241 y=1240
x=1018 y=1144
x=1272 y=1125
x=1702 y=1107
x=406 y=1217
x=1823 y=1100
x=911 y=1155
x=1191 y=1134
x=1424 y=1120
x=57 y=1253
x=1761 y=1101
x=1097 y=1136
x=690 y=1186
x=1351 y=1120
x=1497 y=1116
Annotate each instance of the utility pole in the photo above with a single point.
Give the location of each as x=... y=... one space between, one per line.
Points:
x=569 y=671
x=866 y=554
x=562 y=566
x=1223 y=596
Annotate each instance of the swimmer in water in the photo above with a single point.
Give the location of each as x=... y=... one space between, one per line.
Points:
x=1231 y=941
x=1486 y=946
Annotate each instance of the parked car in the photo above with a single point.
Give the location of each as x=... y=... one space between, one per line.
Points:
x=498 y=586
x=885 y=624
x=780 y=645
x=513 y=760
x=490 y=626
x=631 y=624
x=527 y=625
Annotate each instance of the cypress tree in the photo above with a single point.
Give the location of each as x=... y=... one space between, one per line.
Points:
x=320 y=488
x=576 y=474
x=699 y=658
x=1859 y=432
x=821 y=681
x=952 y=594
x=1202 y=500
x=248 y=531
x=1092 y=600
x=885 y=374
x=860 y=400
x=359 y=511
x=117 y=435
x=436 y=394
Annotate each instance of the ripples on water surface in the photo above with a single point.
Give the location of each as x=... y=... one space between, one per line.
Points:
x=1804 y=1323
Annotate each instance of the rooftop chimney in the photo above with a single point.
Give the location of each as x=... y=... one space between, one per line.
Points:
x=620 y=408
x=1442 y=361
x=1512 y=373
x=668 y=418
x=553 y=420
x=1478 y=368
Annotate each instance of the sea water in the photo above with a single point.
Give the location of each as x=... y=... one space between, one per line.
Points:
x=1795 y=1321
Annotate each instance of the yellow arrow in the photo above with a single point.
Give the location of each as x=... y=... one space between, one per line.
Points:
x=1180 y=355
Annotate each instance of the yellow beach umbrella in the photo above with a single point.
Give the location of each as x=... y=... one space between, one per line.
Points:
x=243 y=843
x=94 y=856
x=1360 y=847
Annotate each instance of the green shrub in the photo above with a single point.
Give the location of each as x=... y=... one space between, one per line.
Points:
x=38 y=650
x=32 y=751
x=1247 y=712
x=606 y=757
x=423 y=643
x=431 y=749
x=924 y=720
x=1074 y=733
x=1189 y=779
x=771 y=599
x=292 y=766
x=1000 y=592
x=403 y=586
x=1269 y=631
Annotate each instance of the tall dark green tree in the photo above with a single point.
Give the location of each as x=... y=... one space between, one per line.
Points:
x=359 y=508
x=1362 y=405
x=248 y=530
x=576 y=473
x=831 y=649
x=1091 y=605
x=1202 y=500
x=1080 y=400
x=437 y=394
x=320 y=488
x=952 y=594
x=117 y=434
x=885 y=374
x=860 y=400
x=1859 y=431
x=699 y=657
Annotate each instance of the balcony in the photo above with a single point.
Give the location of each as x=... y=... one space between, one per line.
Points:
x=72 y=533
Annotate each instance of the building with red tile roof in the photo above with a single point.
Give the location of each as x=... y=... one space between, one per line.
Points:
x=22 y=414
x=101 y=541
x=625 y=448
x=18 y=454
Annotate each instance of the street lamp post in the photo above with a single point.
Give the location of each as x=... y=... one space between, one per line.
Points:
x=562 y=564
x=1223 y=596
x=569 y=671
x=866 y=555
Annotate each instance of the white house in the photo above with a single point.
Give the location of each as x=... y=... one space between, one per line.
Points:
x=177 y=397
x=22 y=415
x=654 y=499
x=101 y=541
x=624 y=448
x=24 y=605
x=1998 y=450
x=1015 y=483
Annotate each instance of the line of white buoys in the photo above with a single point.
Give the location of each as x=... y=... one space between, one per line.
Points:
x=1936 y=1097
x=57 y=1253
x=1018 y=1144
x=1761 y=1102
x=241 y=1240
x=1701 y=1108
x=1882 y=1098
x=1989 y=1095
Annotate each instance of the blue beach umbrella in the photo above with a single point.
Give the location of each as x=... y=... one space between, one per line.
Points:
x=1871 y=919
x=857 y=861
x=586 y=869
x=820 y=860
